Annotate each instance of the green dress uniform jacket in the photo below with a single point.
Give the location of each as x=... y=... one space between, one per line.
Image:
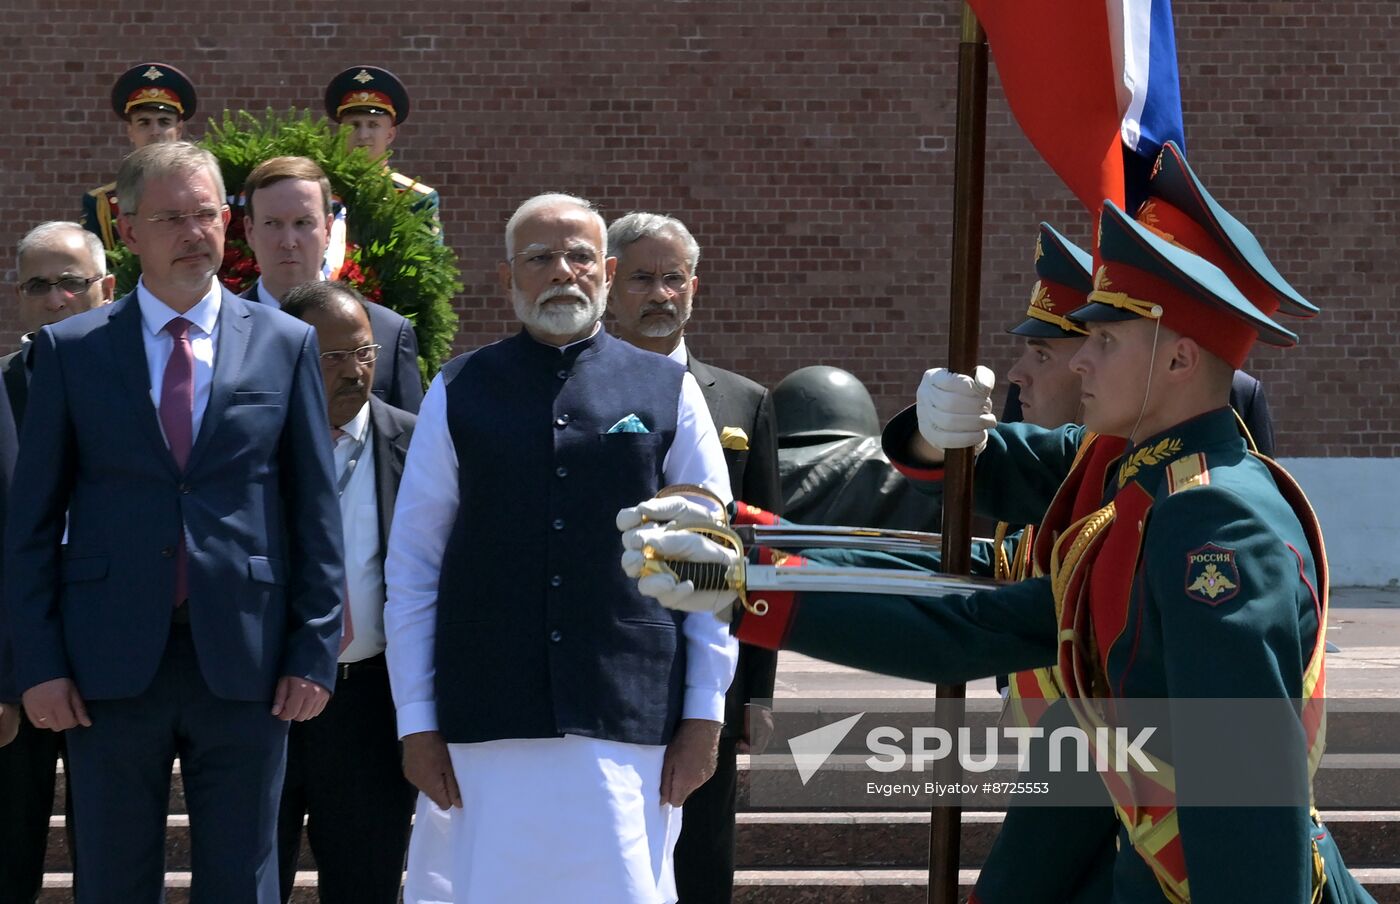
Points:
x=100 y=214
x=1165 y=625
x=425 y=198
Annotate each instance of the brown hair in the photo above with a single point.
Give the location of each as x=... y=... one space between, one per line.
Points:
x=161 y=159
x=280 y=169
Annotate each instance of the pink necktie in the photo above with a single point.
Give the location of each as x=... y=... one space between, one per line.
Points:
x=177 y=420
x=347 y=624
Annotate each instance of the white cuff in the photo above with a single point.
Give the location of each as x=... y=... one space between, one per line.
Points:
x=416 y=717
x=700 y=703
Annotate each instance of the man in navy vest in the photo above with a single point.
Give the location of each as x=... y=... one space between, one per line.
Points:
x=554 y=718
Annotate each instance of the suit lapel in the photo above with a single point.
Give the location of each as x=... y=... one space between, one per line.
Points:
x=389 y=453
x=701 y=371
x=132 y=368
x=229 y=352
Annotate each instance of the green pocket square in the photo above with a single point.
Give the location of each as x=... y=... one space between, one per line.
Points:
x=629 y=424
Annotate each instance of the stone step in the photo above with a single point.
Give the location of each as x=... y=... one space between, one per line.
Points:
x=846 y=782
x=58 y=888
x=759 y=886
x=892 y=886
x=852 y=840
x=1367 y=725
x=1345 y=781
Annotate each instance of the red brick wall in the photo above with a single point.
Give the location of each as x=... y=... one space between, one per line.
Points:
x=807 y=144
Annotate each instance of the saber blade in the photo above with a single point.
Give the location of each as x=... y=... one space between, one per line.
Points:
x=810 y=536
x=838 y=579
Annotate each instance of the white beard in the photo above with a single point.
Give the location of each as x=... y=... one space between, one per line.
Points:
x=560 y=319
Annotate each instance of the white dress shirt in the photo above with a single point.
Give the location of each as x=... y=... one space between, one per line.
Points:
x=359 y=515
x=679 y=354
x=423 y=519
x=265 y=296
x=203 y=334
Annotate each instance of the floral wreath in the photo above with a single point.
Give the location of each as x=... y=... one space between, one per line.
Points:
x=392 y=253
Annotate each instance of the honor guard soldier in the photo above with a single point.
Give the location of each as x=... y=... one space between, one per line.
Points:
x=369 y=103
x=155 y=100
x=1180 y=567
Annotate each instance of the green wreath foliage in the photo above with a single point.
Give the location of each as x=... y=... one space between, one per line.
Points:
x=394 y=254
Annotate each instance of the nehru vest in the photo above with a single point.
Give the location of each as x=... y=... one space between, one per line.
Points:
x=539 y=632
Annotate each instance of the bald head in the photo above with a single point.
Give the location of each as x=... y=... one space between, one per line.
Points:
x=61 y=271
x=338 y=314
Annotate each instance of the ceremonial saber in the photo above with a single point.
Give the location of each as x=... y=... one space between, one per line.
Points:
x=869 y=539
x=945 y=822
x=753 y=579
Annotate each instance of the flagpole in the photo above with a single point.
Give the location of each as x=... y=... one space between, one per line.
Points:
x=945 y=821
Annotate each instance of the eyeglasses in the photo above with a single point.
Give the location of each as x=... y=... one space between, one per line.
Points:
x=365 y=354
x=580 y=260
x=204 y=218
x=68 y=285
x=642 y=283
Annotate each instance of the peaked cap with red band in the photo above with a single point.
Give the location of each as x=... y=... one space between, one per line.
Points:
x=366 y=89
x=1179 y=209
x=158 y=85
x=1141 y=274
x=1066 y=276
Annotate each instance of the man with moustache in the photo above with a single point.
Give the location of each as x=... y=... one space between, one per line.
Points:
x=554 y=719
x=359 y=838
x=62 y=271
x=173 y=551
x=287 y=221
x=155 y=100
x=651 y=301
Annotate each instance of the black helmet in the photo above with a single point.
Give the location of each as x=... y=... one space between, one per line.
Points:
x=816 y=403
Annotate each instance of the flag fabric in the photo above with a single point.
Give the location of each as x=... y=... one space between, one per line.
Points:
x=1094 y=86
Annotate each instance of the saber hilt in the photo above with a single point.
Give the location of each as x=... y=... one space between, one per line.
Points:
x=708 y=576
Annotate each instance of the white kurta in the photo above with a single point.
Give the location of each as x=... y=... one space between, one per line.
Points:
x=543 y=820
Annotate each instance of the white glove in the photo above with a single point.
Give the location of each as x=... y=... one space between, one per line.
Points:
x=955 y=411
x=665 y=510
x=677 y=546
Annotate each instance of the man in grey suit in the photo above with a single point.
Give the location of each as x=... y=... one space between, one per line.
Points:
x=343 y=774
x=651 y=299
x=173 y=553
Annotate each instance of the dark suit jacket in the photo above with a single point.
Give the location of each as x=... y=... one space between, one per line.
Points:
x=391 y=429
x=396 y=375
x=736 y=401
x=12 y=371
x=9 y=448
x=256 y=504
x=1248 y=400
